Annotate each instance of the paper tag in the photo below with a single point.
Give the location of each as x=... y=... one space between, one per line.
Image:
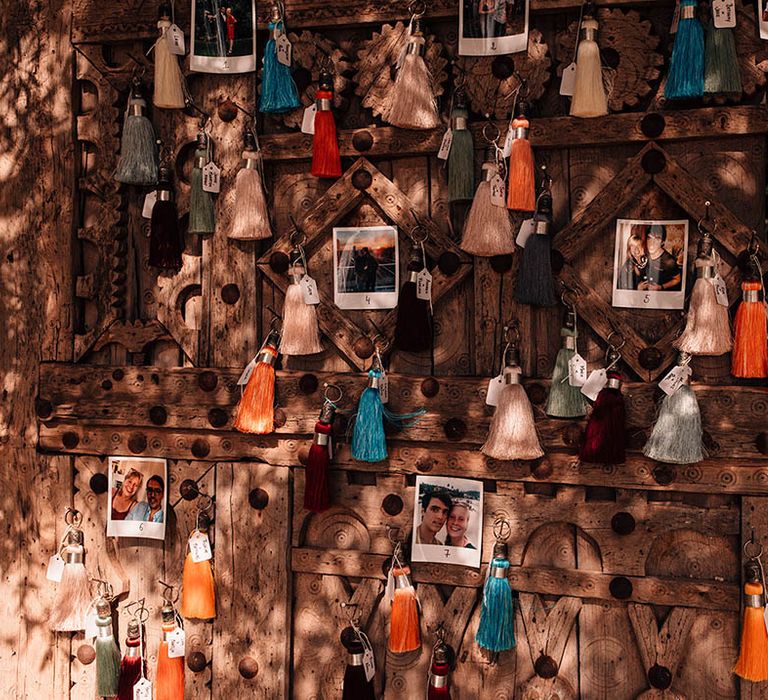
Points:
x=508 y=139
x=724 y=13
x=526 y=230
x=308 y=121
x=91 y=628
x=309 y=290
x=445 y=145
x=369 y=665
x=493 y=393
x=675 y=379
x=384 y=388
x=389 y=591
x=568 y=81
x=246 y=375
x=498 y=191
x=200 y=547
x=675 y=18
x=142 y=690
x=284 y=50
x=577 y=370
x=211 y=177
x=596 y=380
x=424 y=285
x=721 y=290
x=177 y=642
x=175 y=39
x=55 y=568
x=149 y=204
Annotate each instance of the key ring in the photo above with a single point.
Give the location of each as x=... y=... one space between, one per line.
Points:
x=327 y=389
x=502 y=529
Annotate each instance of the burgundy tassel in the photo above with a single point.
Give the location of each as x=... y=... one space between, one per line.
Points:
x=413 y=330
x=166 y=241
x=356 y=686
x=132 y=664
x=439 y=688
x=316 y=497
x=326 y=161
x=604 y=439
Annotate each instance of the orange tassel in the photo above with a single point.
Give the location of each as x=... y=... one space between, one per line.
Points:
x=198 y=597
x=750 y=343
x=753 y=658
x=522 y=180
x=256 y=410
x=326 y=161
x=169 y=679
x=404 y=633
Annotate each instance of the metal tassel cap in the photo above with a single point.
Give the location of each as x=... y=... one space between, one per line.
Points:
x=168 y=613
x=326 y=80
x=500 y=550
x=327 y=412
x=133 y=629
x=203 y=522
x=103 y=608
x=249 y=141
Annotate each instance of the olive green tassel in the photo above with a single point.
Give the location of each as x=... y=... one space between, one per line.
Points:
x=201 y=215
x=721 y=62
x=461 y=165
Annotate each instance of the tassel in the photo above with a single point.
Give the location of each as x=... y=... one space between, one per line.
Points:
x=326 y=161
x=256 y=410
x=301 y=335
x=488 y=228
x=201 y=215
x=411 y=103
x=73 y=595
x=438 y=674
x=137 y=164
x=250 y=220
x=461 y=157
x=721 y=62
x=278 y=89
x=316 y=497
x=107 y=653
x=169 y=82
x=413 y=328
x=522 y=180
x=604 y=438
x=169 y=678
x=686 y=68
x=565 y=401
x=513 y=431
x=535 y=284
x=198 y=591
x=589 y=98
x=132 y=665
x=752 y=664
x=496 y=631
x=750 y=344
x=166 y=242
x=356 y=686
x=404 y=632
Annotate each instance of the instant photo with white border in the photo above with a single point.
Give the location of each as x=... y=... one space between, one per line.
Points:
x=650 y=263
x=488 y=27
x=447 y=521
x=216 y=21
x=366 y=270
x=136 y=482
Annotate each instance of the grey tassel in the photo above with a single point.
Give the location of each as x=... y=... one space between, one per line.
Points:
x=676 y=437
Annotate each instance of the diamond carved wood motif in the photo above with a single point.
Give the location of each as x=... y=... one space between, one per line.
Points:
x=360 y=183
x=651 y=168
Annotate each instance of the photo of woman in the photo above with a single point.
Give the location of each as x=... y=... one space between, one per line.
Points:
x=125 y=496
x=457 y=524
x=223 y=36
x=137 y=497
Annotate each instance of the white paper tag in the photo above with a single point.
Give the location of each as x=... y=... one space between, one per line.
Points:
x=596 y=380
x=177 y=642
x=445 y=145
x=211 y=177
x=55 y=568
x=284 y=50
x=175 y=39
x=308 y=121
x=384 y=388
x=577 y=370
x=498 y=191
x=200 y=547
x=91 y=628
x=149 y=204
x=424 y=285
x=526 y=230
x=508 y=139
x=309 y=290
x=246 y=375
x=675 y=18
x=142 y=690
x=721 y=290
x=369 y=665
x=568 y=81
x=493 y=393
x=724 y=13
x=676 y=377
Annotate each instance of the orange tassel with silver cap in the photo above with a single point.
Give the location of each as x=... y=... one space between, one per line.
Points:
x=750 y=342
x=256 y=410
x=169 y=676
x=521 y=195
x=752 y=664
x=198 y=589
x=404 y=627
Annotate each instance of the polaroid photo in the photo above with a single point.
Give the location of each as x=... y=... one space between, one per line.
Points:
x=223 y=36
x=366 y=272
x=138 y=497
x=448 y=521
x=650 y=263
x=492 y=27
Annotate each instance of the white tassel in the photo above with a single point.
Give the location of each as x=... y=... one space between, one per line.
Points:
x=73 y=596
x=589 y=99
x=677 y=434
x=169 y=91
x=301 y=335
x=250 y=218
x=488 y=229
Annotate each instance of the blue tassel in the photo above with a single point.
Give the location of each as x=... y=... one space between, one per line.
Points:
x=496 y=631
x=686 y=69
x=278 y=90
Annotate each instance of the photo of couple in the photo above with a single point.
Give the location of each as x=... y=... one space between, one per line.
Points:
x=137 y=499
x=223 y=33
x=448 y=520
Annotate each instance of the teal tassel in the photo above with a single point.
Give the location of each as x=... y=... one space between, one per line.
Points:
x=721 y=64
x=461 y=161
x=686 y=68
x=201 y=215
x=565 y=401
x=496 y=631
x=278 y=90
x=676 y=437
x=107 y=662
x=137 y=164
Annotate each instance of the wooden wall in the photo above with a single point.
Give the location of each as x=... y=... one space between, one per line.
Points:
x=619 y=569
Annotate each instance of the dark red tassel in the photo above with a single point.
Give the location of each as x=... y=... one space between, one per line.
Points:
x=438 y=682
x=165 y=238
x=131 y=665
x=356 y=686
x=413 y=329
x=326 y=161
x=604 y=439
x=316 y=497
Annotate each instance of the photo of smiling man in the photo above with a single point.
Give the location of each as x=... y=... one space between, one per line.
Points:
x=434 y=513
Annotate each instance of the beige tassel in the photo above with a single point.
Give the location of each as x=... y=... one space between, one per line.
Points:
x=488 y=229
x=589 y=99
x=250 y=220
x=169 y=91
x=73 y=595
x=301 y=335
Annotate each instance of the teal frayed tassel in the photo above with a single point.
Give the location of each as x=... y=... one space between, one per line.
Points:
x=676 y=437
x=565 y=401
x=721 y=64
x=278 y=89
x=201 y=215
x=686 y=68
x=496 y=631
x=461 y=160
x=137 y=164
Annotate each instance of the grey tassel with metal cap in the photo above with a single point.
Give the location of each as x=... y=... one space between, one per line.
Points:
x=202 y=218
x=137 y=164
x=107 y=653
